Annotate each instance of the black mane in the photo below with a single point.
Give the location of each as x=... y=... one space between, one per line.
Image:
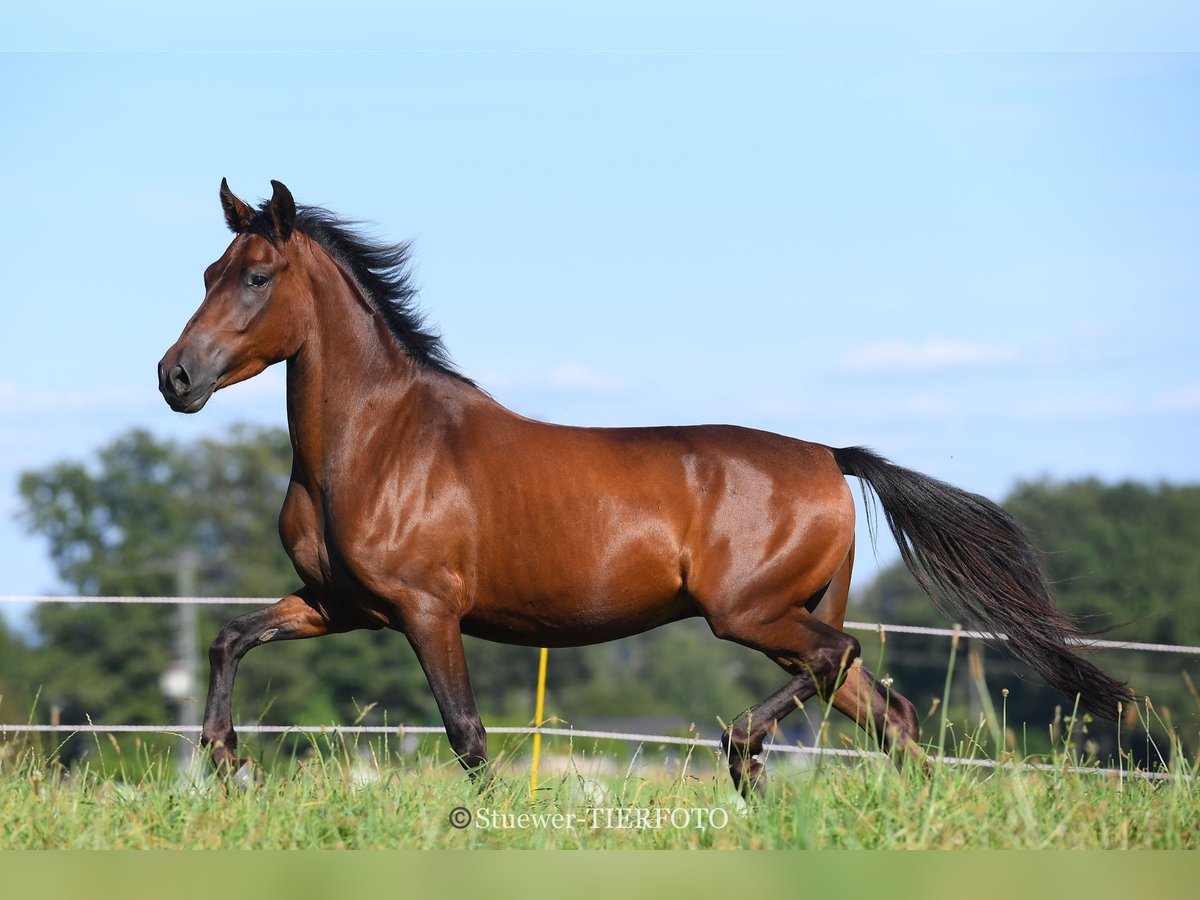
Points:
x=383 y=271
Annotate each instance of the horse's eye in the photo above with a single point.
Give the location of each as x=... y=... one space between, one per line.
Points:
x=259 y=280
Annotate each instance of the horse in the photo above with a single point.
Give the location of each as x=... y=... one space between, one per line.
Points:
x=419 y=503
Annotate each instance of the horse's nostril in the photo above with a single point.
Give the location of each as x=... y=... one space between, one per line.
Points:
x=180 y=383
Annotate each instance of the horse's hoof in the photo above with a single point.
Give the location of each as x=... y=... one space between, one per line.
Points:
x=244 y=776
x=754 y=779
x=750 y=777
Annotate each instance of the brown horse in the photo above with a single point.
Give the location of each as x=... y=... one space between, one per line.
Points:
x=418 y=503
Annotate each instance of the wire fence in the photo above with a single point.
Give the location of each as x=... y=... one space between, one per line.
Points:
x=877 y=627
x=184 y=730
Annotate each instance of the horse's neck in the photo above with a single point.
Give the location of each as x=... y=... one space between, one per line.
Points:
x=349 y=372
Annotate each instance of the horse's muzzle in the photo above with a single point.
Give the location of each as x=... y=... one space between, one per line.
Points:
x=180 y=386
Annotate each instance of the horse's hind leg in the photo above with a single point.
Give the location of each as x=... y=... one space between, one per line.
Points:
x=816 y=655
x=881 y=712
x=878 y=710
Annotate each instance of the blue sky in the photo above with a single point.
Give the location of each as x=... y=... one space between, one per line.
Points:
x=982 y=265
x=646 y=25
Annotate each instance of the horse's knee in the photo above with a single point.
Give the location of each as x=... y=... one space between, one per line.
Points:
x=234 y=640
x=226 y=647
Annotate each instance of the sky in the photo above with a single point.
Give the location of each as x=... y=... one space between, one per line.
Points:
x=982 y=265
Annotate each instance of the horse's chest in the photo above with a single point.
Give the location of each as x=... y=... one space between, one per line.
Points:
x=302 y=530
x=375 y=550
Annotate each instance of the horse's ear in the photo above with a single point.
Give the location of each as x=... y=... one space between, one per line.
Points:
x=237 y=213
x=283 y=210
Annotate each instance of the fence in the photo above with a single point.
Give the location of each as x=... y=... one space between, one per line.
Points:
x=184 y=729
x=877 y=627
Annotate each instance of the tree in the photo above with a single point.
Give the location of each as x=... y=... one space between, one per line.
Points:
x=1123 y=554
x=17 y=683
x=118 y=526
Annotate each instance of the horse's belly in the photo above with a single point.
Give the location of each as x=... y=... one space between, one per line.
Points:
x=568 y=622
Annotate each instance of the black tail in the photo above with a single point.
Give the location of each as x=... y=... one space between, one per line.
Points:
x=971 y=556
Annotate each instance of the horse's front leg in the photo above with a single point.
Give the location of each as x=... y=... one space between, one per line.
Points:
x=437 y=641
x=290 y=619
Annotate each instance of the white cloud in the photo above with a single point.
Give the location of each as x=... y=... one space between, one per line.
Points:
x=897 y=355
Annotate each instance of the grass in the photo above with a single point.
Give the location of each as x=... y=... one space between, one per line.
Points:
x=345 y=794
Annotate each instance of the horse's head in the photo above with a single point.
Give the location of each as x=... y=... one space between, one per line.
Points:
x=248 y=319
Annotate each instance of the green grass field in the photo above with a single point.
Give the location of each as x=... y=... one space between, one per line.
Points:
x=363 y=795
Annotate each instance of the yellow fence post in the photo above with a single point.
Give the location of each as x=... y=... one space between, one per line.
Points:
x=537 y=720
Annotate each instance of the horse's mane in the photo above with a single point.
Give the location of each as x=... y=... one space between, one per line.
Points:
x=384 y=272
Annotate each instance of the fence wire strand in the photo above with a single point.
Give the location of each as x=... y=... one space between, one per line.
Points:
x=660 y=739
x=877 y=627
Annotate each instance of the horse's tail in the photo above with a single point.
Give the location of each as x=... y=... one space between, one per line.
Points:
x=971 y=556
